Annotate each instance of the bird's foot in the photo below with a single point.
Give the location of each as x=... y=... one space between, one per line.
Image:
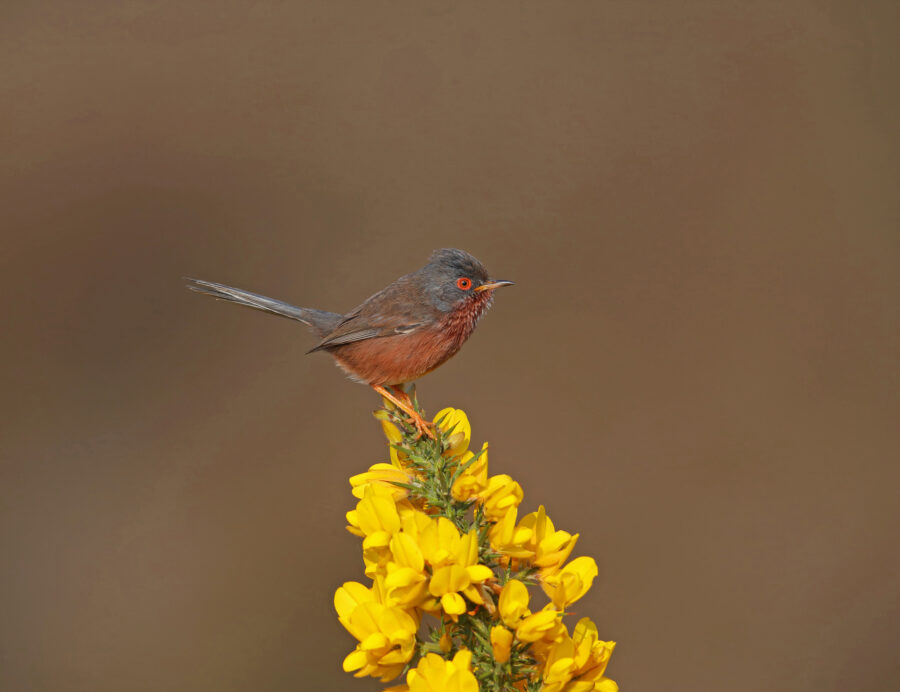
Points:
x=401 y=400
x=423 y=427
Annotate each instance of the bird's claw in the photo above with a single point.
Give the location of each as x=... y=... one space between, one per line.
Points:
x=422 y=426
x=401 y=400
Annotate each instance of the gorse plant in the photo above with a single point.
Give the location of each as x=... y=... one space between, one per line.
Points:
x=451 y=564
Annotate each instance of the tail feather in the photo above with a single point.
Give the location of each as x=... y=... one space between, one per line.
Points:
x=320 y=321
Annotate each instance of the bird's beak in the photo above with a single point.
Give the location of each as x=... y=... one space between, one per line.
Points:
x=491 y=285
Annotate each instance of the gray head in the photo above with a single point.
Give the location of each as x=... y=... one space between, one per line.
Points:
x=453 y=278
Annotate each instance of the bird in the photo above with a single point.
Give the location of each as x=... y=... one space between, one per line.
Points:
x=397 y=335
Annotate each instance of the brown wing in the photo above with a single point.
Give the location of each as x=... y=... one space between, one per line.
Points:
x=398 y=309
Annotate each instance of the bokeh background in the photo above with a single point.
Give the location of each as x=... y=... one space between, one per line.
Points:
x=697 y=371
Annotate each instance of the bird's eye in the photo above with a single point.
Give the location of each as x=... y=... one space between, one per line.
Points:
x=464 y=283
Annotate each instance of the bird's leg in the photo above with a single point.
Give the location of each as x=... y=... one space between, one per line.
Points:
x=408 y=397
x=401 y=393
x=405 y=405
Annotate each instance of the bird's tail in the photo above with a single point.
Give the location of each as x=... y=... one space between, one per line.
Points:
x=319 y=321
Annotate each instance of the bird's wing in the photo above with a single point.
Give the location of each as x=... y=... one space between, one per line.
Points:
x=341 y=336
x=391 y=312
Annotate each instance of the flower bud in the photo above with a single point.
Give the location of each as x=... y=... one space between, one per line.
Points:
x=501 y=641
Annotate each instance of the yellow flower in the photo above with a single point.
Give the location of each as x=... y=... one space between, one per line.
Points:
x=386 y=634
x=406 y=580
x=501 y=493
x=406 y=552
x=501 y=642
x=375 y=513
x=529 y=627
x=559 y=667
x=385 y=475
x=446 y=583
x=412 y=521
x=591 y=653
x=375 y=517
x=509 y=539
x=513 y=603
x=454 y=559
x=544 y=624
x=439 y=542
x=455 y=422
x=421 y=548
x=392 y=433
x=350 y=595
x=578 y=662
x=436 y=674
x=571 y=582
x=551 y=548
x=474 y=479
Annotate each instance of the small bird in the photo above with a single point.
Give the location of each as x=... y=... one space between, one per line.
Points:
x=404 y=331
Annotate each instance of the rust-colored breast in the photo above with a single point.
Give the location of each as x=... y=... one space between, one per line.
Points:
x=394 y=359
x=403 y=358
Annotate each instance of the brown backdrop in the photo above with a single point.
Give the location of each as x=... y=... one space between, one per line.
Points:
x=697 y=369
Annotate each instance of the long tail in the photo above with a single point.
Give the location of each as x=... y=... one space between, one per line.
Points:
x=320 y=321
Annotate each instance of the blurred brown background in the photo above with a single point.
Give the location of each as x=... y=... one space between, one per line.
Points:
x=697 y=369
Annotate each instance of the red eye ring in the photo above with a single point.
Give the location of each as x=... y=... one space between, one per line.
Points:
x=464 y=283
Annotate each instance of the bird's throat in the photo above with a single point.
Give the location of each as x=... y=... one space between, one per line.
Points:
x=459 y=324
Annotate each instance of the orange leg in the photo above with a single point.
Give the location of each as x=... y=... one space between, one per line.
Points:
x=400 y=392
x=403 y=403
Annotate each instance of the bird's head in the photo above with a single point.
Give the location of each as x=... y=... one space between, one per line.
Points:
x=454 y=280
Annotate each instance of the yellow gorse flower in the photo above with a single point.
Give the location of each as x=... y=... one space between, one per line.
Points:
x=436 y=674
x=501 y=642
x=388 y=476
x=474 y=479
x=579 y=662
x=455 y=423
x=501 y=493
x=513 y=603
x=509 y=539
x=550 y=548
x=454 y=560
x=440 y=538
x=375 y=514
x=386 y=634
x=571 y=582
x=406 y=582
x=544 y=624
